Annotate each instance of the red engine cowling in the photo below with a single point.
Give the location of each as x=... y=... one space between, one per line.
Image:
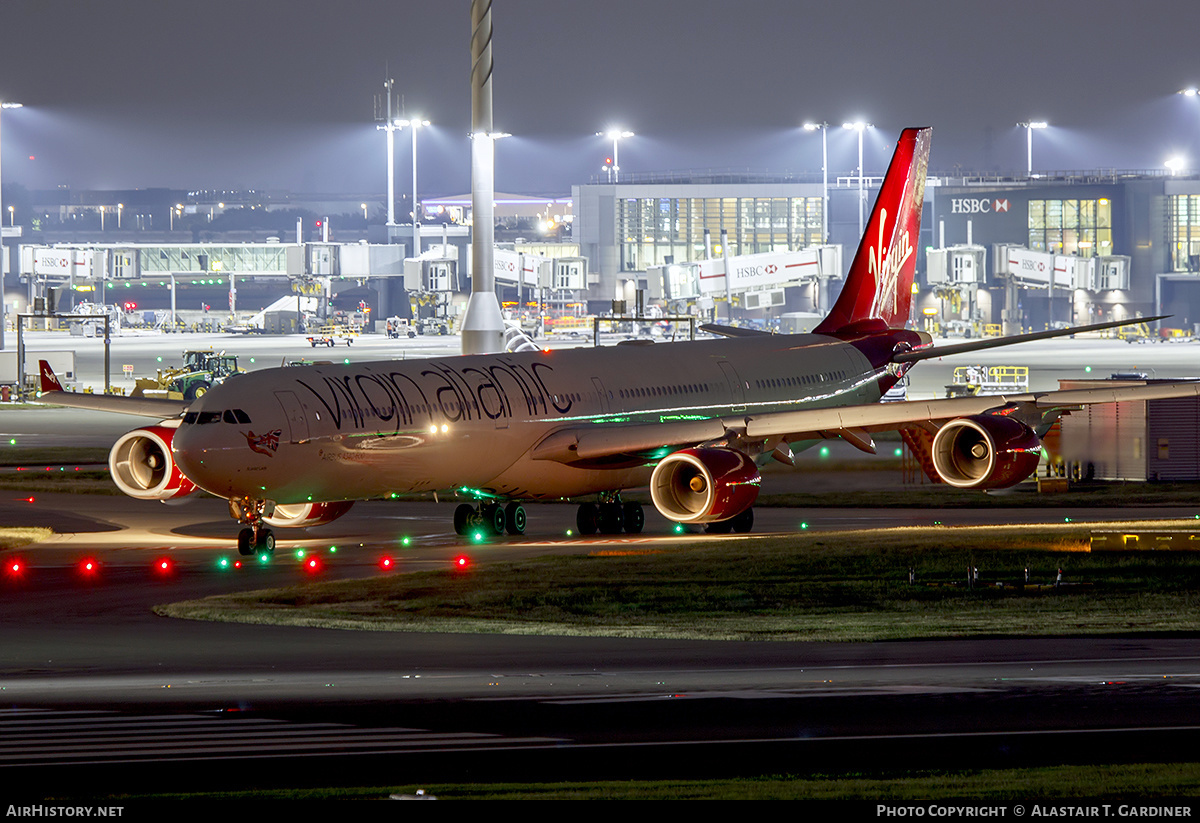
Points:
x=141 y=465
x=297 y=515
x=704 y=485
x=985 y=452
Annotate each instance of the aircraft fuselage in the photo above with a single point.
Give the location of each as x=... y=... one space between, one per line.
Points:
x=370 y=430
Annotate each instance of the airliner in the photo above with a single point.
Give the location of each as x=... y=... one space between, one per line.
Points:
x=296 y=446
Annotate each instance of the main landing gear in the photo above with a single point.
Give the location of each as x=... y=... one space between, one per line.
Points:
x=491 y=517
x=740 y=523
x=610 y=516
x=256 y=537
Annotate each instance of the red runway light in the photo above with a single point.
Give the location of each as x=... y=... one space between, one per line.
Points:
x=163 y=565
x=89 y=566
x=312 y=565
x=462 y=562
x=385 y=563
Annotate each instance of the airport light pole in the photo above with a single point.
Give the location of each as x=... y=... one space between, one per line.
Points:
x=413 y=125
x=859 y=126
x=482 y=324
x=1029 y=126
x=616 y=135
x=824 y=127
x=3 y=258
x=390 y=127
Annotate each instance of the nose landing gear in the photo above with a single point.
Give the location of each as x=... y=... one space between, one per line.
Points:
x=256 y=537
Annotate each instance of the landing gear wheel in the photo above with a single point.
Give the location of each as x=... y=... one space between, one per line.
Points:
x=612 y=518
x=265 y=542
x=719 y=527
x=246 y=542
x=493 y=517
x=586 y=519
x=744 y=522
x=635 y=518
x=462 y=518
x=514 y=513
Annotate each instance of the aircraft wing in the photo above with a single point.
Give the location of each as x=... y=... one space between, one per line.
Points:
x=54 y=394
x=852 y=423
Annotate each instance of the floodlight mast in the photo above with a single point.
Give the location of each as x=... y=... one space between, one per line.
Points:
x=3 y=310
x=482 y=323
x=1029 y=126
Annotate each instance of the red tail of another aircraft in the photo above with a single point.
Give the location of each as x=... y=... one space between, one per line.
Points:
x=877 y=293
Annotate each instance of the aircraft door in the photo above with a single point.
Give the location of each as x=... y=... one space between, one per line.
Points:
x=736 y=387
x=601 y=394
x=297 y=423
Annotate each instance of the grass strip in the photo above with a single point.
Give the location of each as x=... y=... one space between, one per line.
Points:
x=822 y=586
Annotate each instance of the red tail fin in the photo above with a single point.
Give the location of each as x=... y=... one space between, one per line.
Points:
x=878 y=290
x=49 y=380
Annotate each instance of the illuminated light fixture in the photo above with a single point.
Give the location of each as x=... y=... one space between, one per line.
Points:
x=1029 y=126
x=615 y=135
x=1176 y=164
x=860 y=126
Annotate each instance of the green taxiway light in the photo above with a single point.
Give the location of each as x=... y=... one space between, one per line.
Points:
x=477 y=537
x=824 y=451
x=405 y=541
x=299 y=554
x=803 y=526
x=678 y=528
x=223 y=563
x=265 y=557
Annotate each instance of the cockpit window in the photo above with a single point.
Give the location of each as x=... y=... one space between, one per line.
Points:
x=189 y=418
x=208 y=417
x=241 y=416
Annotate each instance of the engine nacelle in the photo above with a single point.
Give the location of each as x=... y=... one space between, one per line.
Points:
x=142 y=466
x=297 y=515
x=704 y=485
x=985 y=452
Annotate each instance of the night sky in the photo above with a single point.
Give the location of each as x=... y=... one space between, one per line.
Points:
x=278 y=94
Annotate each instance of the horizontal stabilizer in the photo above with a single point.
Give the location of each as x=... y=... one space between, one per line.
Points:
x=732 y=331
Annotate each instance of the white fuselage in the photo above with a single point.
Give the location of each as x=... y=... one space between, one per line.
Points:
x=372 y=430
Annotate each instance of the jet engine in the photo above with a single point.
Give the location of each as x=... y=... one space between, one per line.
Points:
x=298 y=515
x=141 y=465
x=985 y=452
x=704 y=485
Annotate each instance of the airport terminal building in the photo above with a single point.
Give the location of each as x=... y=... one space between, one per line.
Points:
x=1115 y=244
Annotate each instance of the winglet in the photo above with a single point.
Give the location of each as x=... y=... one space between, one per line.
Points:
x=49 y=380
x=877 y=293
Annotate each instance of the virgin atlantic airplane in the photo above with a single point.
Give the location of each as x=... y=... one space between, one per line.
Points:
x=297 y=446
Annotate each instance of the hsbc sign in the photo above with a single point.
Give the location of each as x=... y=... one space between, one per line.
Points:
x=977 y=205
